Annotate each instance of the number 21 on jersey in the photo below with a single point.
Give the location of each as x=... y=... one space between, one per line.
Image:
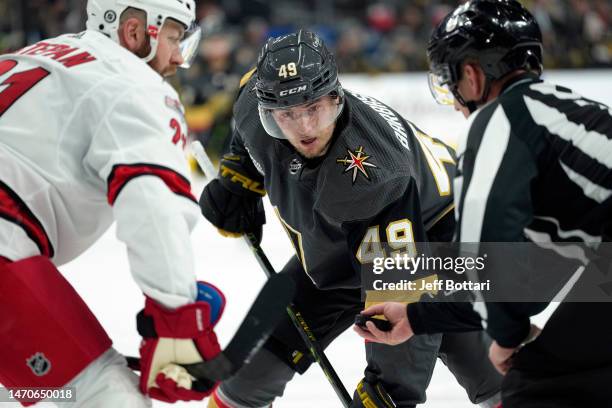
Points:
x=17 y=84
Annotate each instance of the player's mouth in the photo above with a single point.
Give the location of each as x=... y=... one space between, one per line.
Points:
x=308 y=141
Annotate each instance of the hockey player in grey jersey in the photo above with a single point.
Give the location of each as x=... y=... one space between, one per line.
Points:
x=344 y=173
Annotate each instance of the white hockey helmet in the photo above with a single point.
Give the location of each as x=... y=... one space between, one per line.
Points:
x=104 y=16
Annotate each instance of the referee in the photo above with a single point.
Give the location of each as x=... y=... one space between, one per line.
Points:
x=535 y=166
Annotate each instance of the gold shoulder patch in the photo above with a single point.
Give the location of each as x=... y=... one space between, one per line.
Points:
x=245 y=78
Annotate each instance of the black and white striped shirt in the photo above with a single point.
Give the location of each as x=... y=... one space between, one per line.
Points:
x=535 y=165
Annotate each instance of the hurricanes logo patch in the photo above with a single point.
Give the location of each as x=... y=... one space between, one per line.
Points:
x=174 y=104
x=39 y=364
x=356 y=161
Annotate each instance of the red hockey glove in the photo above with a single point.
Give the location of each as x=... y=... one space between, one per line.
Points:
x=181 y=336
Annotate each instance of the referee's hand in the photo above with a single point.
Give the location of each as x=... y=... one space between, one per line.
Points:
x=501 y=357
x=396 y=314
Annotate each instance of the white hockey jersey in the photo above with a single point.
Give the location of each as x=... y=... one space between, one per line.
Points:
x=90 y=134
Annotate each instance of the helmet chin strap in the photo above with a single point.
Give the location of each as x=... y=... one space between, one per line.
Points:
x=472 y=106
x=153 y=42
x=151 y=55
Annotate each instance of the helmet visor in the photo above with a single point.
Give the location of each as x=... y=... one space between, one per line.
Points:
x=306 y=120
x=190 y=45
x=439 y=80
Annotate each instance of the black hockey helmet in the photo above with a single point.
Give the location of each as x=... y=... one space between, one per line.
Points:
x=500 y=34
x=294 y=69
x=297 y=78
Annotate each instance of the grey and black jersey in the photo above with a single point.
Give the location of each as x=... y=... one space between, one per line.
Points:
x=381 y=178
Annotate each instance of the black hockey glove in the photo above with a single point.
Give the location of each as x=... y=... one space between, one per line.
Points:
x=231 y=213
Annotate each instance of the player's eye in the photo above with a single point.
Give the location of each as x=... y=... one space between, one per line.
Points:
x=286 y=115
x=313 y=109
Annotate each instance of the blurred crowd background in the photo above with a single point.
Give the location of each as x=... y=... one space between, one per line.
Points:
x=372 y=37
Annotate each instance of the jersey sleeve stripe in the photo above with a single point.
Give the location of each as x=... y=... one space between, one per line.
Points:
x=124 y=173
x=14 y=209
x=439 y=216
x=246 y=77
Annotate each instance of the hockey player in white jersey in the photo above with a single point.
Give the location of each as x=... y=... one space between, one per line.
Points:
x=90 y=133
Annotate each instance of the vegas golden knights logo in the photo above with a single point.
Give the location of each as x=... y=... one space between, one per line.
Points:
x=357 y=161
x=39 y=364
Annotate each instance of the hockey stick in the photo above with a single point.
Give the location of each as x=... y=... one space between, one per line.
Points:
x=302 y=327
x=259 y=323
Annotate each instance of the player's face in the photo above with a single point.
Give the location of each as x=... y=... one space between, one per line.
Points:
x=309 y=127
x=168 y=57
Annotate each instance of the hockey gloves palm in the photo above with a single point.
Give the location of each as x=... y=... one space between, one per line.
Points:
x=181 y=336
x=232 y=202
